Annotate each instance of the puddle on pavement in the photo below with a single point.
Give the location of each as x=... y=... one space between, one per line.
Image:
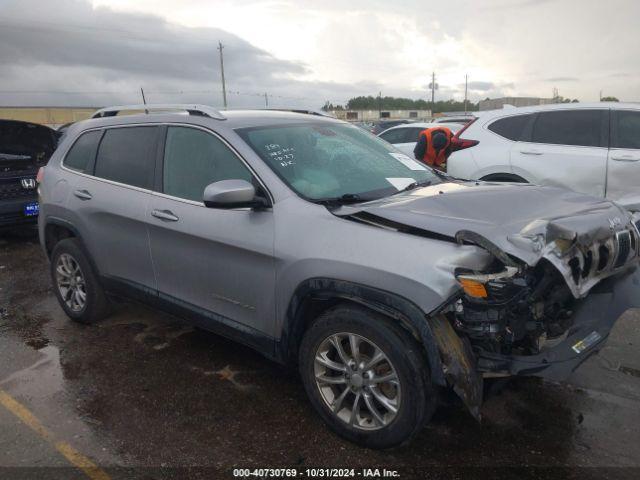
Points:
x=40 y=380
x=153 y=333
x=27 y=327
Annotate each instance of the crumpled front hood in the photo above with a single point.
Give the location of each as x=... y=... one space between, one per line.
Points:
x=520 y=219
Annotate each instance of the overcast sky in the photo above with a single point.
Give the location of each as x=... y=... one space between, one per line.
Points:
x=302 y=53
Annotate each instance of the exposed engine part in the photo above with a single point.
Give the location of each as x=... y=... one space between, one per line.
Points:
x=521 y=311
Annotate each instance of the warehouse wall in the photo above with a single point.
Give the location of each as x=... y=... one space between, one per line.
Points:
x=375 y=115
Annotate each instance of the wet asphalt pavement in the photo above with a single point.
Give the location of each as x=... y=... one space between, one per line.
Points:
x=144 y=396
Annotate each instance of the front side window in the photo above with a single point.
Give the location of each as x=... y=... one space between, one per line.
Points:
x=83 y=152
x=193 y=159
x=327 y=160
x=570 y=127
x=627 y=129
x=510 y=128
x=127 y=155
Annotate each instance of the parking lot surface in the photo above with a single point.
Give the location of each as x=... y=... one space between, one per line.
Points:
x=142 y=395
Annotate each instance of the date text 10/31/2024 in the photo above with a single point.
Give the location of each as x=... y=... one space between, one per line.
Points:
x=315 y=473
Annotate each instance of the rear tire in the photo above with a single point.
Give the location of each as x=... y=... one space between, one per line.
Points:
x=75 y=283
x=397 y=387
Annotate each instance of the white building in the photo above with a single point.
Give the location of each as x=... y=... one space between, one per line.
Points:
x=497 y=103
x=375 y=115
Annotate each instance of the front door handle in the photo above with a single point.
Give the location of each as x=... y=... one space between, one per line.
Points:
x=625 y=158
x=531 y=152
x=166 y=215
x=83 y=195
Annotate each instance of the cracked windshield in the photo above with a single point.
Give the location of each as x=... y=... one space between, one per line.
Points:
x=329 y=161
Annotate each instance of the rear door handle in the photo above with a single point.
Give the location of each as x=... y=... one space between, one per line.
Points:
x=83 y=195
x=166 y=215
x=531 y=152
x=625 y=158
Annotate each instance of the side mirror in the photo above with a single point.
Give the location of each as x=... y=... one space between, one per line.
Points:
x=232 y=194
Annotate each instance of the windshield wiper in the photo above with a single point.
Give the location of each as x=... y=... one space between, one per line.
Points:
x=414 y=185
x=341 y=200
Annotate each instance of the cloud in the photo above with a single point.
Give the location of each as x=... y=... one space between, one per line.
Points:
x=561 y=79
x=304 y=52
x=481 y=86
x=71 y=48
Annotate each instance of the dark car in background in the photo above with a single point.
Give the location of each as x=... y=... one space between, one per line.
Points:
x=24 y=148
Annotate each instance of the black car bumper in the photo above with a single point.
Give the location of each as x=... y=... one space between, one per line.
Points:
x=12 y=211
x=593 y=319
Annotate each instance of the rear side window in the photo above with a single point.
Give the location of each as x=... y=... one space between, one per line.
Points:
x=570 y=127
x=83 y=152
x=413 y=134
x=511 y=128
x=193 y=159
x=397 y=135
x=626 y=128
x=127 y=155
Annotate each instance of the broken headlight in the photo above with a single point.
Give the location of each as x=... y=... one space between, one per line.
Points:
x=487 y=285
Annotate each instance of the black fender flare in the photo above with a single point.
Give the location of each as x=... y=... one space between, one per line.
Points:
x=389 y=304
x=51 y=220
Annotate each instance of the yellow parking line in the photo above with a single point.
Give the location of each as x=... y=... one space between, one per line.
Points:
x=76 y=458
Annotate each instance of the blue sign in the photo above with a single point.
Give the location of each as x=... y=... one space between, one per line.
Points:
x=31 y=209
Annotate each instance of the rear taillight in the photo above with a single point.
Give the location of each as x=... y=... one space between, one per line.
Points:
x=458 y=143
x=461 y=144
x=40 y=175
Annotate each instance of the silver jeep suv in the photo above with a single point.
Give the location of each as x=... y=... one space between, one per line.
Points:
x=323 y=247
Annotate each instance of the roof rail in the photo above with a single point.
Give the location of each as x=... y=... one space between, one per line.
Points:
x=191 y=109
x=306 y=111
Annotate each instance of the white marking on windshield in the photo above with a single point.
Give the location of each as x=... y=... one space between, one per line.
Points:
x=285 y=156
x=400 y=183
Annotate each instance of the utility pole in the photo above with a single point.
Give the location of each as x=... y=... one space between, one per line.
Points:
x=600 y=95
x=224 y=87
x=144 y=100
x=380 y=104
x=433 y=89
x=266 y=100
x=466 y=83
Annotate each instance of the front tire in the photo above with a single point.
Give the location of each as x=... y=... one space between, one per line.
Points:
x=75 y=283
x=366 y=377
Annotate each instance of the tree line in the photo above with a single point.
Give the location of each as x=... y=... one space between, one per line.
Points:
x=398 y=103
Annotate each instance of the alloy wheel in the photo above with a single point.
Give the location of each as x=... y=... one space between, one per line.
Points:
x=357 y=381
x=70 y=282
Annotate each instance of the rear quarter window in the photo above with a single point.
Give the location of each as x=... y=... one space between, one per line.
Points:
x=511 y=128
x=83 y=152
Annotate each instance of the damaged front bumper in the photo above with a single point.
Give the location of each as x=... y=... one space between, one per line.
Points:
x=593 y=319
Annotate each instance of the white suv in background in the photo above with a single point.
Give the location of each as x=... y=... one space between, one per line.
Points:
x=591 y=148
x=404 y=137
